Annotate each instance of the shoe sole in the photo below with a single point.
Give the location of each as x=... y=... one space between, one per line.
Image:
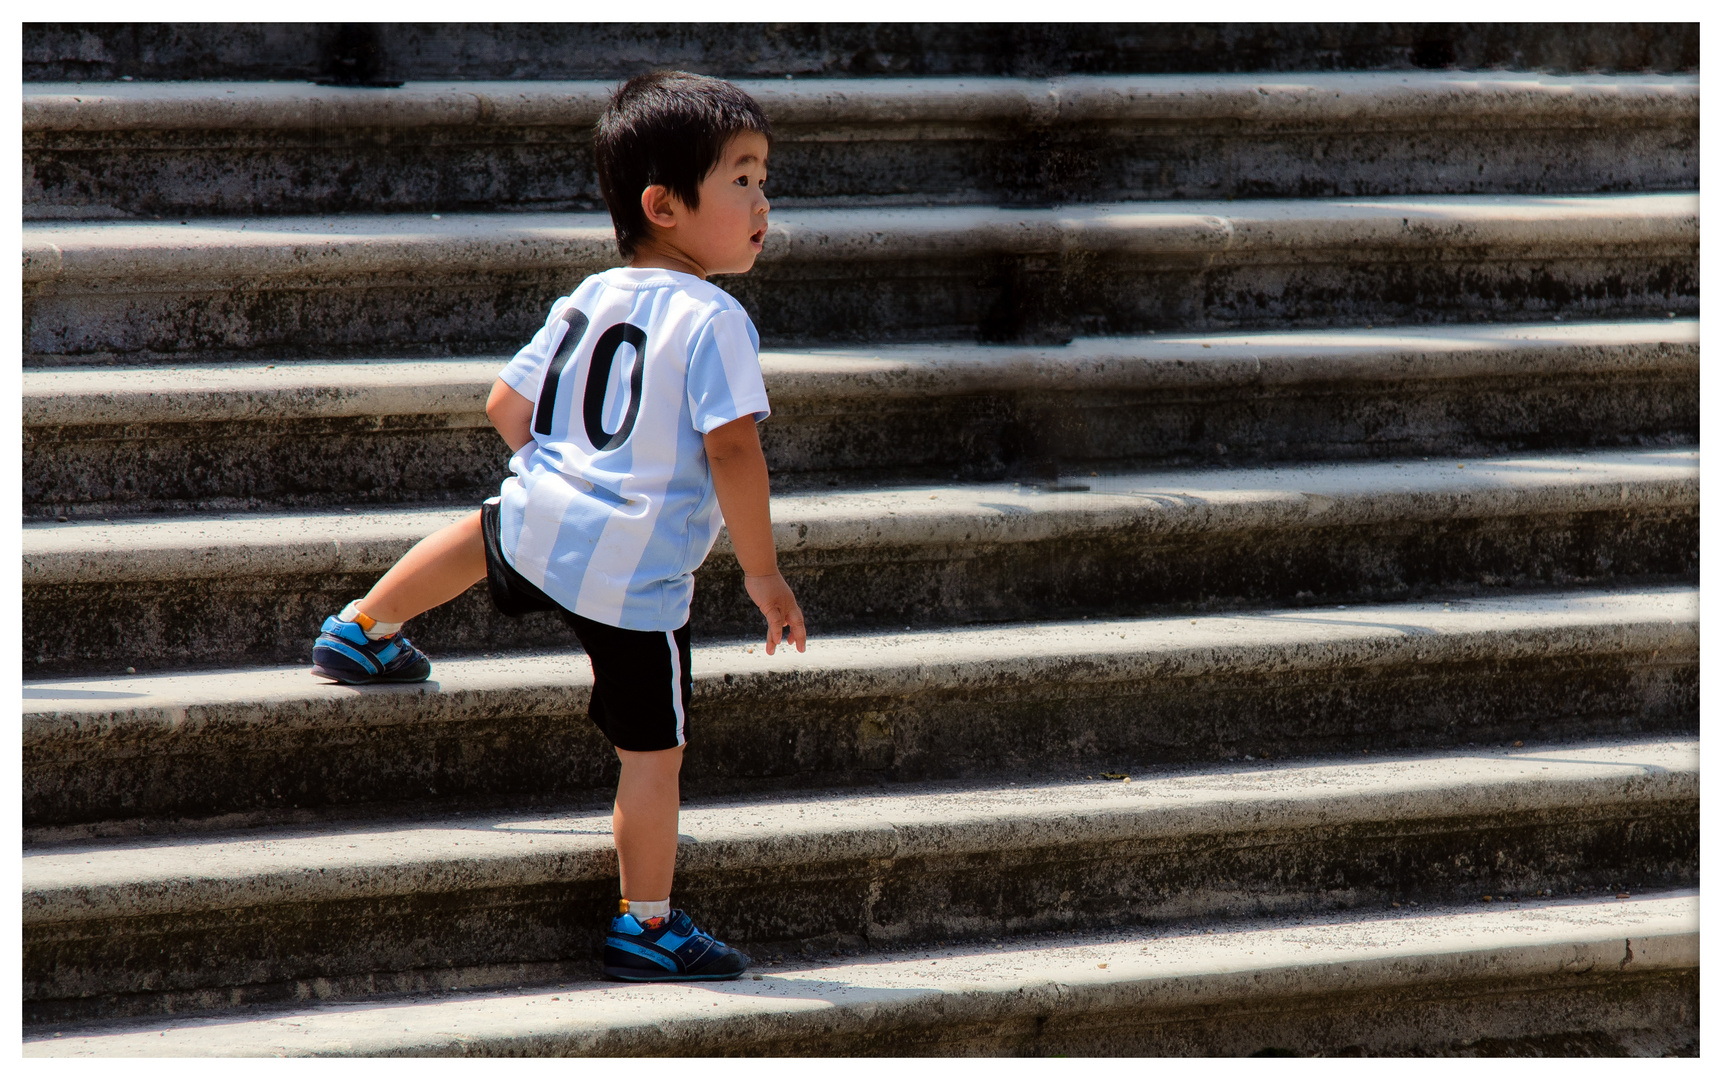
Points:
x=349 y=680
x=622 y=975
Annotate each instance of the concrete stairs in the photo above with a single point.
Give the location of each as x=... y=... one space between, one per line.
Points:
x=111 y=441
x=218 y=749
x=1248 y=527
x=1426 y=980
x=195 y=590
x=183 y=923
x=168 y=150
x=362 y=285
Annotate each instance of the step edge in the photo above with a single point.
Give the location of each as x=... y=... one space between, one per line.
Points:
x=80 y=397
x=553 y=686
x=85 y=553
x=1334 y=97
x=274 y=254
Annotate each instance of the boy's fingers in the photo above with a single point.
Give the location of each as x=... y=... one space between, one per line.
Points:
x=780 y=611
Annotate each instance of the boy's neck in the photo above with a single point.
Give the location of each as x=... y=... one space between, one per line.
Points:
x=649 y=255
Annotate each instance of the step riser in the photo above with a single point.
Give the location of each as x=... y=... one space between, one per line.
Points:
x=161 y=468
x=106 y=967
x=195 y=621
x=1033 y=298
x=371 y=170
x=101 y=470
x=162 y=51
x=265 y=763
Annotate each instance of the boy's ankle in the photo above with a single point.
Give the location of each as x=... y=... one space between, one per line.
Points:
x=650 y=914
x=374 y=630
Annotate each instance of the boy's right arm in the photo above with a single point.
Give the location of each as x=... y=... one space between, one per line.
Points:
x=511 y=412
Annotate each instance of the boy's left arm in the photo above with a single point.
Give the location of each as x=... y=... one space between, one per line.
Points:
x=744 y=496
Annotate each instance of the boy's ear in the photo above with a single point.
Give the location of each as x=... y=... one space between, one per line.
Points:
x=659 y=205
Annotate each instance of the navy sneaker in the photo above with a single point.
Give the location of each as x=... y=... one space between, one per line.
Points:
x=342 y=652
x=676 y=951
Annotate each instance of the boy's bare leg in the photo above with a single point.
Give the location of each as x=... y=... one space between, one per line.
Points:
x=437 y=569
x=648 y=803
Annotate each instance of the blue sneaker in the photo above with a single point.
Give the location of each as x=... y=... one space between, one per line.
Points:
x=676 y=951
x=342 y=652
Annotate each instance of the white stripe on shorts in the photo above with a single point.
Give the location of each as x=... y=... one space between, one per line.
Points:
x=676 y=688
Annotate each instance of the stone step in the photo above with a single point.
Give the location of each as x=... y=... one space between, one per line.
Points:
x=357 y=285
x=1569 y=976
x=105 y=441
x=189 y=752
x=239 y=589
x=146 y=149
x=178 y=924
x=595 y=50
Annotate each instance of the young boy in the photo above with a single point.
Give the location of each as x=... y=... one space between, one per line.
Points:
x=632 y=419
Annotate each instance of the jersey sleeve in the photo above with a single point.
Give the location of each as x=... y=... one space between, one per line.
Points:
x=525 y=373
x=724 y=380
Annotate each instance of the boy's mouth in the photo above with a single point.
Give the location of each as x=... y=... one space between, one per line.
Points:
x=759 y=236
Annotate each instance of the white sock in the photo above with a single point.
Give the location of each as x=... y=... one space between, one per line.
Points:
x=648 y=909
x=376 y=630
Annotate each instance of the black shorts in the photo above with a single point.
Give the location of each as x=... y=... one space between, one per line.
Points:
x=640 y=679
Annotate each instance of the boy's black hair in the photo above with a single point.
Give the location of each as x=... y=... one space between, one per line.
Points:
x=669 y=128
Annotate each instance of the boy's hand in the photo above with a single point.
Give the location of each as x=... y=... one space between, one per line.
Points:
x=777 y=603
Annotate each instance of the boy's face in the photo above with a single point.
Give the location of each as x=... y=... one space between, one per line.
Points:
x=726 y=233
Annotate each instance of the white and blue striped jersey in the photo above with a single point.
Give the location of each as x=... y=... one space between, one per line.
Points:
x=611 y=508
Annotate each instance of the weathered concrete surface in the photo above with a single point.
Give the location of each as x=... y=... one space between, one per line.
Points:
x=106 y=441
x=105 y=756
x=369 y=285
x=143 y=149
x=252 y=588
x=597 y=50
x=142 y=925
x=1461 y=981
